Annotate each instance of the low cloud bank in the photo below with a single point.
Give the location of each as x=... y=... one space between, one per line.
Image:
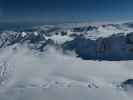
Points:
x=31 y=71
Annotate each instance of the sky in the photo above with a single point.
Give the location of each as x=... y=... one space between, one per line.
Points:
x=65 y=10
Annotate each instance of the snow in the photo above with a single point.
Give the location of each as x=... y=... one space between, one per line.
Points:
x=35 y=33
x=107 y=31
x=110 y=30
x=24 y=34
x=60 y=39
x=101 y=31
x=53 y=75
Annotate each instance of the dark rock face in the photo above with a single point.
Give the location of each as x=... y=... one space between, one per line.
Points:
x=85 y=48
x=115 y=47
x=63 y=33
x=129 y=24
x=78 y=29
x=127 y=84
x=83 y=29
x=90 y=28
x=129 y=38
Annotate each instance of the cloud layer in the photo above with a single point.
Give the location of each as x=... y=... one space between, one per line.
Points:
x=54 y=76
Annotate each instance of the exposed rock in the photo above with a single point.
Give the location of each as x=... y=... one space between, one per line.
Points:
x=127 y=85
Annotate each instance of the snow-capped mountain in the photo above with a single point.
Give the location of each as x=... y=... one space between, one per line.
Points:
x=61 y=62
x=99 y=42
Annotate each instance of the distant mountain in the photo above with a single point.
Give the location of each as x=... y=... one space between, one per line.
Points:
x=97 y=42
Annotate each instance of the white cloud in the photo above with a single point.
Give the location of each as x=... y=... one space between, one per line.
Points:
x=40 y=69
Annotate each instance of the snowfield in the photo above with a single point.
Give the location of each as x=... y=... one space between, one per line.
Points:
x=47 y=64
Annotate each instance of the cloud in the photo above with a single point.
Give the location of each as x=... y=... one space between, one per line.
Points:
x=39 y=69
